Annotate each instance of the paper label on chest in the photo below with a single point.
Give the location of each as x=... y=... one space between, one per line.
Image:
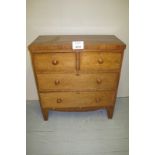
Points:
x=77 y=45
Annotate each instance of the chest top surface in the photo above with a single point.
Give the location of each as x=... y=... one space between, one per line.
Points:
x=64 y=42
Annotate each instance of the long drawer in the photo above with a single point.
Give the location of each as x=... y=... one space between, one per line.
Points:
x=101 y=81
x=77 y=99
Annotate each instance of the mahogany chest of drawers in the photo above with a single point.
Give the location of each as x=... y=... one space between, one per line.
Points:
x=70 y=79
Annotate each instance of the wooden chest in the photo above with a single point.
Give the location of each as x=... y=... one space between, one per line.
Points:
x=70 y=79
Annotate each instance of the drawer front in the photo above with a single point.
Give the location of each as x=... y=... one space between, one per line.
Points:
x=76 y=99
x=54 y=62
x=102 y=81
x=100 y=61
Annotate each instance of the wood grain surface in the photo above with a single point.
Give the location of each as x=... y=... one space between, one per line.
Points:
x=77 y=80
x=77 y=99
x=64 y=42
x=54 y=62
x=99 y=61
x=73 y=82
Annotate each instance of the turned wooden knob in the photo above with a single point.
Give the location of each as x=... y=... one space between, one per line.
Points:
x=100 y=61
x=55 y=62
x=99 y=81
x=57 y=82
x=59 y=100
x=98 y=100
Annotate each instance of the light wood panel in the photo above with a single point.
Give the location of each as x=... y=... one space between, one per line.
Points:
x=100 y=61
x=64 y=42
x=77 y=99
x=54 y=62
x=100 y=81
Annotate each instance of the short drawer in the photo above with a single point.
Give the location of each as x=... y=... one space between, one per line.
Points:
x=76 y=99
x=101 y=81
x=100 y=61
x=54 y=62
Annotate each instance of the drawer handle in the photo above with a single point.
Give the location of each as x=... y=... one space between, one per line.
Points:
x=98 y=100
x=57 y=82
x=99 y=81
x=100 y=61
x=59 y=100
x=55 y=62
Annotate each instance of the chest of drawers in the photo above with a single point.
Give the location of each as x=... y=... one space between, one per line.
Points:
x=70 y=79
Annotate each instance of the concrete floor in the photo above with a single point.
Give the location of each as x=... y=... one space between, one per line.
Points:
x=78 y=133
